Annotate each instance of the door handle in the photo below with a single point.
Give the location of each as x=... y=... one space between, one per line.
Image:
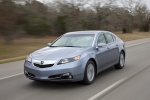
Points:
x=117 y=45
x=108 y=48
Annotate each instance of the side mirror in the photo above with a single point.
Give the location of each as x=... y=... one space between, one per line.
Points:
x=101 y=44
x=49 y=44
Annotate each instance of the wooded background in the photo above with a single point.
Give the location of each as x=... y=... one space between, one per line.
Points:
x=30 y=17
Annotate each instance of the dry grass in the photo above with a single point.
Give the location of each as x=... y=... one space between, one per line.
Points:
x=133 y=36
x=22 y=47
x=25 y=46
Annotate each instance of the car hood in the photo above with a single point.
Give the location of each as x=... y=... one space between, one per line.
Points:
x=57 y=52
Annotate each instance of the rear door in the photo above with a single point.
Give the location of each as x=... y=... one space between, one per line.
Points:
x=113 y=50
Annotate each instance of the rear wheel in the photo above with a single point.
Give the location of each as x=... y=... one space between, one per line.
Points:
x=121 y=62
x=89 y=73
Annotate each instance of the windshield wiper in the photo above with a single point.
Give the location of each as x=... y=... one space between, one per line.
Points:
x=54 y=46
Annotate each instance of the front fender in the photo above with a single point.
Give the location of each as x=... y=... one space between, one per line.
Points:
x=86 y=57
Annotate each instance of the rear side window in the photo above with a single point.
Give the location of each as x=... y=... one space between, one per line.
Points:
x=101 y=39
x=109 y=38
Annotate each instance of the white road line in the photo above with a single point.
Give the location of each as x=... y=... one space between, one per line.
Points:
x=137 y=44
x=116 y=84
x=106 y=90
x=11 y=76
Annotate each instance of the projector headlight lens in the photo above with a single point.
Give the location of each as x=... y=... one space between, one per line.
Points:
x=67 y=60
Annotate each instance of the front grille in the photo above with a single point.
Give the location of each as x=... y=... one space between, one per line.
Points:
x=43 y=66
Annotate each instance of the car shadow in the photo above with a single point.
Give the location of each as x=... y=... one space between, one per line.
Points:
x=105 y=72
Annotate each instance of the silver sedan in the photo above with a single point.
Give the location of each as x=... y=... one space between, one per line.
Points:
x=76 y=56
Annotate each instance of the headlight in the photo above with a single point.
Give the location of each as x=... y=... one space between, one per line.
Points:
x=29 y=59
x=67 y=60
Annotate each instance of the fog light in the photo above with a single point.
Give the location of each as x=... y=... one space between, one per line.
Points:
x=70 y=77
x=66 y=74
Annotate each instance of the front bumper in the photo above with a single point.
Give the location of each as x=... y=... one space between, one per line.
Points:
x=73 y=71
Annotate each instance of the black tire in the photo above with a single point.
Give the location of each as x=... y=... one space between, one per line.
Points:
x=86 y=80
x=120 y=65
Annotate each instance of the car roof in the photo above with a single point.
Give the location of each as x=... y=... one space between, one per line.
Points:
x=87 y=32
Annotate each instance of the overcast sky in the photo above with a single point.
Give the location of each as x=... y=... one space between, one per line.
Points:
x=146 y=1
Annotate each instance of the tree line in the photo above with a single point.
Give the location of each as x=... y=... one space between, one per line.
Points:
x=31 y=17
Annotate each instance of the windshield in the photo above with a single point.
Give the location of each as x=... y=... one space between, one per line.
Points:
x=74 y=40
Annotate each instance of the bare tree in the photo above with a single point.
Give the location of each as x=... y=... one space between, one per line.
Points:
x=130 y=7
x=8 y=20
x=143 y=18
x=102 y=9
x=70 y=13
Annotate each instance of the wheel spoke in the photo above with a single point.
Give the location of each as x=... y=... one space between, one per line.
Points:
x=90 y=72
x=122 y=60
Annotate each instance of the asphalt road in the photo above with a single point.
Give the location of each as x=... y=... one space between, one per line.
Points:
x=134 y=84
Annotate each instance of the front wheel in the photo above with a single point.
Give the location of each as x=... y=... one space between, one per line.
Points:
x=121 y=62
x=89 y=73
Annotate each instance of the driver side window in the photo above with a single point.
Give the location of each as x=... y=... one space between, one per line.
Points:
x=101 y=39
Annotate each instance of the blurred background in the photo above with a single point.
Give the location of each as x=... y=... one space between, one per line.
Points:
x=27 y=25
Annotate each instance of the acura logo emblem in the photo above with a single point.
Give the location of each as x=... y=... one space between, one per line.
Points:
x=42 y=62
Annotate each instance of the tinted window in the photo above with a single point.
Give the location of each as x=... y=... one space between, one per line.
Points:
x=101 y=39
x=109 y=38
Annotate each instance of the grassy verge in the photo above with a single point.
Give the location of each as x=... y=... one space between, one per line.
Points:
x=133 y=36
x=21 y=47
x=12 y=59
x=25 y=46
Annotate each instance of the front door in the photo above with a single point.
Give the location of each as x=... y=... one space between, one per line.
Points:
x=102 y=53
